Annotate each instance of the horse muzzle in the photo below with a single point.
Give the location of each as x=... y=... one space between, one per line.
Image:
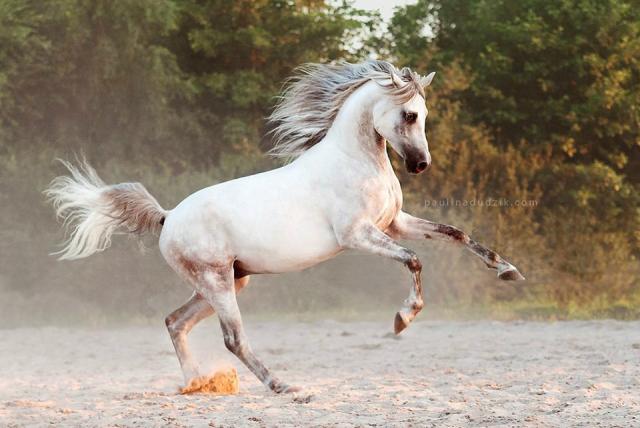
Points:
x=417 y=163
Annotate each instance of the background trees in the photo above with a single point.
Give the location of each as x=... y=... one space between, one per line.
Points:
x=557 y=84
x=533 y=101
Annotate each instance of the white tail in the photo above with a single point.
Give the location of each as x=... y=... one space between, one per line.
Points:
x=92 y=210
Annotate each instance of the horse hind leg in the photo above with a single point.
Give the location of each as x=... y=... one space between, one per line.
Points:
x=179 y=323
x=182 y=320
x=217 y=287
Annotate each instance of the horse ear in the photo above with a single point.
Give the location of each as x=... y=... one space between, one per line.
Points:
x=397 y=80
x=426 y=80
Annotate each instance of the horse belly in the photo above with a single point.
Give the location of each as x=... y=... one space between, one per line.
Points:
x=283 y=249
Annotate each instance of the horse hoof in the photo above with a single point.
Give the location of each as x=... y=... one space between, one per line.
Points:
x=299 y=394
x=291 y=389
x=399 y=323
x=283 y=388
x=511 y=275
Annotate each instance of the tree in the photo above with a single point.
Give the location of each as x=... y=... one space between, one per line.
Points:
x=557 y=84
x=238 y=53
x=88 y=74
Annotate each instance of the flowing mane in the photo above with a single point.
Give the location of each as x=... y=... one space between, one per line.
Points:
x=313 y=96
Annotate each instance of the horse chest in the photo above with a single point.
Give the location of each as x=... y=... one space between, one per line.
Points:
x=385 y=202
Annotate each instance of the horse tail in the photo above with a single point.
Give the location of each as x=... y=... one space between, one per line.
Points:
x=93 y=210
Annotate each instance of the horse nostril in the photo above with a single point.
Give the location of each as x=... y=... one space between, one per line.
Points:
x=421 y=166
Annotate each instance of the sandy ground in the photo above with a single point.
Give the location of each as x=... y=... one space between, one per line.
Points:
x=436 y=374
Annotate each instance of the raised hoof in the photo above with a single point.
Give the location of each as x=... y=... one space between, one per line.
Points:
x=399 y=324
x=511 y=275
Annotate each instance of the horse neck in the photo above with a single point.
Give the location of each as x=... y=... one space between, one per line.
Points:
x=353 y=132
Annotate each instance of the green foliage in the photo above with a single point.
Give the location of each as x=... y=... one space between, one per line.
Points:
x=238 y=53
x=89 y=75
x=562 y=75
x=551 y=93
x=534 y=101
x=133 y=78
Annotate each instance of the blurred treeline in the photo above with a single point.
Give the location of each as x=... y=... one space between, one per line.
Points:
x=534 y=101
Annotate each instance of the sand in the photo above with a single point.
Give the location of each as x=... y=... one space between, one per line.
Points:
x=222 y=382
x=436 y=374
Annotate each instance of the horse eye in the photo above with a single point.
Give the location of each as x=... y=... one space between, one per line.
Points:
x=410 y=117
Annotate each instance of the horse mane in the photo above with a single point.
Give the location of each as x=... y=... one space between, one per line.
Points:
x=312 y=98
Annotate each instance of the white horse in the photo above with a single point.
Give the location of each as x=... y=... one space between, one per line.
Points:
x=340 y=192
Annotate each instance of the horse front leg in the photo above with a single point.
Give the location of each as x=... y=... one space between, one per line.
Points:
x=367 y=237
x=406 y=226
